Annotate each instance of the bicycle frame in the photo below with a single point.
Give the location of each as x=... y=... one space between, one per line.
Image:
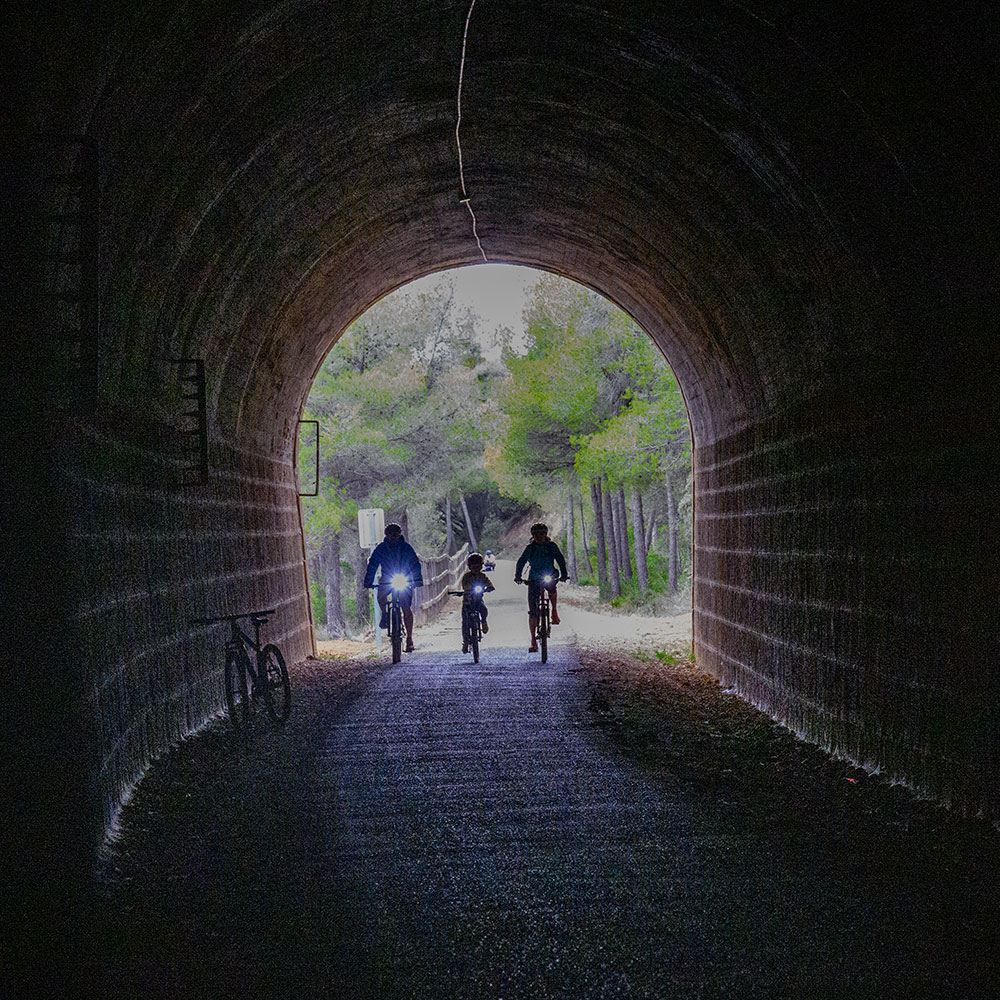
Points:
x=239 y=640
x=544 y=621
x=472 y=617
x=394 y=609
x=472 y=621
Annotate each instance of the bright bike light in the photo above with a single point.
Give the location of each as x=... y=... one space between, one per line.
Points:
x=477 y=590
x=546 y=579
x=400 y=582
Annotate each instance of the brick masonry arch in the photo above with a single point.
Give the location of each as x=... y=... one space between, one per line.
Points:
x=790 y=203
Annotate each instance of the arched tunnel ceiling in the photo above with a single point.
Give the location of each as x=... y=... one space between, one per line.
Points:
x=276 y=173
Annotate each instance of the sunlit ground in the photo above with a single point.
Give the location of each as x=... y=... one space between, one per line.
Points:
x=584 y=622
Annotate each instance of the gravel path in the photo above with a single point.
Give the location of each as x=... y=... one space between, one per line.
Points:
x=605 y=825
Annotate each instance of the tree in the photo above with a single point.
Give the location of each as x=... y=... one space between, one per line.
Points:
x=639 y=534
x=591 y=398
x=388 y=401
x=602 y=557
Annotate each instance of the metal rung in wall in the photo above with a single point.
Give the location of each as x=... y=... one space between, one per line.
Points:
x=195 y=420
x=72 y=256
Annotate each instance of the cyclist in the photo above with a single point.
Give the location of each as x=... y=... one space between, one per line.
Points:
x=475 y=577
x=541 y=555
x=395 y=556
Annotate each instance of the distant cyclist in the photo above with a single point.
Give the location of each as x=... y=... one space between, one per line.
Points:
x=541 y=555
x=396 y=557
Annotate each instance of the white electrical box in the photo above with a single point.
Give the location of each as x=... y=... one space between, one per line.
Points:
x=371 y=527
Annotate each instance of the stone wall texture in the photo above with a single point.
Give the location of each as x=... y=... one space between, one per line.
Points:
x=796 y=202
x=838 y=566
x=155 y=555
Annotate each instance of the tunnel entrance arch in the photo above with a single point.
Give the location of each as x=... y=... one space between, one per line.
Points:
x=466 y=356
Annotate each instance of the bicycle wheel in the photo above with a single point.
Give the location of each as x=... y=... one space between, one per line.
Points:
x=475 y=635
x=543 y=631
x=466 y=629
x=237 y=698
x=274 y=679
x=396 y=632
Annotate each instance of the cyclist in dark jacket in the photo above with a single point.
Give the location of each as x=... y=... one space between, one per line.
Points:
x=396 y=557
x=541 y=555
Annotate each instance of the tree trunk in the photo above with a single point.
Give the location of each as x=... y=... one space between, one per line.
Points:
x=602 y=558
x=334 y=605
x=639 y=534
x=404 y=523
x=621 y=523
x=473 y=547
x=611 y=528
x=609 y=494
x=614 y=573
x=673 y=537
x=650 y=529
x=583 y=536
x=449 y=531
x=363 y=596
x=570 y=537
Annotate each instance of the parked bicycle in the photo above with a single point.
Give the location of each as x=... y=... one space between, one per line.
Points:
x=472 y=620
x=264 y=675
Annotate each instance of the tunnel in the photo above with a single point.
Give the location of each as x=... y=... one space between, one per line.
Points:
x=794 y=200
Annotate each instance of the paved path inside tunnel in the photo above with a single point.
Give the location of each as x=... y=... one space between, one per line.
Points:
x=446 y=829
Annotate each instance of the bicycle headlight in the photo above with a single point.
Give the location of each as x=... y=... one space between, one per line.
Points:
x=400 y=582
x=478 y=590
x=546 y=579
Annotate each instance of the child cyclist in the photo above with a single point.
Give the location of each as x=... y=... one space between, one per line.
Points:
x=541 y=555
x=475 y=577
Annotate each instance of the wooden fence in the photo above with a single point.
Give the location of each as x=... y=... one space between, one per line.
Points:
x=441 y=574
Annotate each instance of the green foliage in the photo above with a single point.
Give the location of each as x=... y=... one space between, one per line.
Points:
x=676 y=657
x=551 y=395
x=590 y=396
x=403 y=406
x=411 y=411
x=349 y=600
x=318 y=591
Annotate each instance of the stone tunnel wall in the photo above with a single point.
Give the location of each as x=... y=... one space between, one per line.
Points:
x=836 y=563
x=153 y=553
